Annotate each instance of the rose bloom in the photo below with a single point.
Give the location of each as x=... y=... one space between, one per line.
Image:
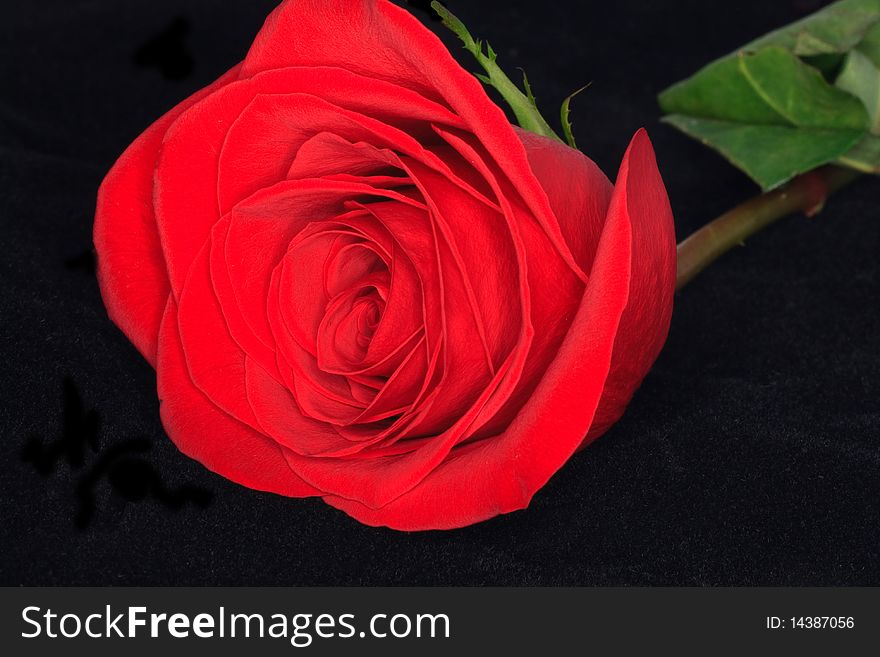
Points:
x=356 y=280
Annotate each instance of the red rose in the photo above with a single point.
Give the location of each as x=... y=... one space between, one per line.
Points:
x=357 y=280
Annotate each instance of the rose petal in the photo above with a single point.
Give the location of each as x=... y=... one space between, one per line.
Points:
x=131 y=266
x=549 y=291
x=215 y=361
x=263 y=141
x=641 y=196
x=204 y=432
x=257 y=236
x=579 y=192
x=186 y=193
x=479 y=480
x=280 y=418
x=381 y=41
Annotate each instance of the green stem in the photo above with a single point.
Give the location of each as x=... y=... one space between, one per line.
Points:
x=805 y=193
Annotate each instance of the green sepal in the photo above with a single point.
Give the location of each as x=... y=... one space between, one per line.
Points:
x=565 y=117
x=528 y=87
x=523 y=105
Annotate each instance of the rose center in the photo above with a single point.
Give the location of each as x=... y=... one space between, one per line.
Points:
x=356 y=281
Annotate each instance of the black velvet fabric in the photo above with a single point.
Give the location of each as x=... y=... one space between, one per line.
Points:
x=750 y=456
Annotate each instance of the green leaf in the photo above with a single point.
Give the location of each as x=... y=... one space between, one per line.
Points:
x=828 y=65
x=860 y=77
x=799 y=97
x=864 y=156
x=769 y=113
x=769 y=154
x=719 y=91
x=799 y=93
x=870 y=45
x=770 y=86
x=526 y=112
x=835 y=29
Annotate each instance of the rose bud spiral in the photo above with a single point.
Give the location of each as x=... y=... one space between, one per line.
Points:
x=356 y=280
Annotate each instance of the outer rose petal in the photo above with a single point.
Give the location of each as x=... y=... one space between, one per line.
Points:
x=501 y=473
x=380 y=40
x=188 y=167
x=641 y=196
x=131 y=268
x=579 y=192
x=204 y=432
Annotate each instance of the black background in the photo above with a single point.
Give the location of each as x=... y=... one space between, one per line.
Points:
x=750 y=455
